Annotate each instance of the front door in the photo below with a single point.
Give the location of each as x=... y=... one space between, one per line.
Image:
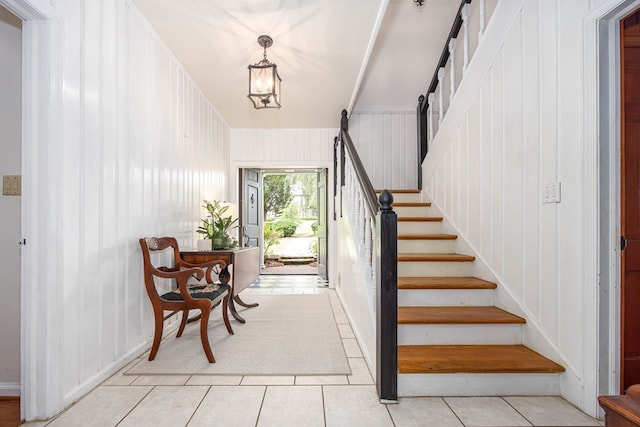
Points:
x=322 y=223
x=251 y=200
x=630 y=201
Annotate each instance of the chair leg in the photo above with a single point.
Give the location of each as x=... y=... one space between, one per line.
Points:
x=225 y=314
x=204 y=336
x=157 y=334
x=183 y=322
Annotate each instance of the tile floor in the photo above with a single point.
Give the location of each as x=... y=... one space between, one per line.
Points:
x=349 y=401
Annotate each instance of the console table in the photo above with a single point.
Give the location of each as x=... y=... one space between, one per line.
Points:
x=246 y=269
x=624 y=410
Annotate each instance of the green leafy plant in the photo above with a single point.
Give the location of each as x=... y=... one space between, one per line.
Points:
x=216 y=226
x=271 y=237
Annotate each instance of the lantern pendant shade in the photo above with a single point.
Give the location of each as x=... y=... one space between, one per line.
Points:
x=264 y=81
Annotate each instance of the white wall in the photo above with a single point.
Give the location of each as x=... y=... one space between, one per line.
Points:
x=10 y=120
x=516 y=124
x=388 y=147
x=120 y=144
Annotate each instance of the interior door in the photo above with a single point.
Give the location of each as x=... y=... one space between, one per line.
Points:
x=251 y=207
x=630 y=201
x=322 y=223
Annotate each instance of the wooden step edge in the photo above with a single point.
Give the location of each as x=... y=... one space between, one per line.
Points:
x=427 y=237
x=444 y=283
x=419 y=218
x=484 y=359
x=435 y=257
x=456 y=315
x=398 y=191
x=411 y=204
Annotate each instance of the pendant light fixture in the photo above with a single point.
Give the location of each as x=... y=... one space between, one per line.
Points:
x=264 y=81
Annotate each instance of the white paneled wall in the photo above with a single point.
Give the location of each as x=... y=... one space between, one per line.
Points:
x=388 y=147
x=130 y=149
x=515 y=125
x=273 y=147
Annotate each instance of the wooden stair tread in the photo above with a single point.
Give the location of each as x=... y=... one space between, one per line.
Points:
x=456 y=315
x=419 y=218
x=427 y=237
x=435 y=257
x=472 y=359
x=411 y=204
x=444 y=283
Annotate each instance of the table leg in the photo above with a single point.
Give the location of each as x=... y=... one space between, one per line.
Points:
x=234 y=312
x=244 y=304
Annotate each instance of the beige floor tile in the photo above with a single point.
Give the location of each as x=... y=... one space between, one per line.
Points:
x=340 y=316
x=485 y=412
x=105 y=406
x=351 y=347
x=35 y=424
x=224 y=406
x=214 y=380
x=550 y=411
x=345 y=330
x=292 y=406
x=119 y=378
x=354 y=406
x=268 y=380
x=161 y=380
x=321 y=380
x=423 y=412
x=166 y=406
x=359 y=372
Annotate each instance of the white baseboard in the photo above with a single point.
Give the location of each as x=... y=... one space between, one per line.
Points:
x=9 y=389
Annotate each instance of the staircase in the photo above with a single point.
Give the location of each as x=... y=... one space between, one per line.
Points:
x=452 y=340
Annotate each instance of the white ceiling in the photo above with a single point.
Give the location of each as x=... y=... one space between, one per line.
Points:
x=320 y=47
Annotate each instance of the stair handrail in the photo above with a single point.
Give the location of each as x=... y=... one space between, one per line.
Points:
x=377 y=225
x=427 y=103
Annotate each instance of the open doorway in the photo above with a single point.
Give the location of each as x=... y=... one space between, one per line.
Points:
x=289 y=220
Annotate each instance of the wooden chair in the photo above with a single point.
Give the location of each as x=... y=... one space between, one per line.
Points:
x=185 y=297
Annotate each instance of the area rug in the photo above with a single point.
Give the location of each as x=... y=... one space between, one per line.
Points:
x=284 y=335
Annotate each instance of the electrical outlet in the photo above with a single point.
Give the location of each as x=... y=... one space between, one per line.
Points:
x=551 y=193
x=11 y=185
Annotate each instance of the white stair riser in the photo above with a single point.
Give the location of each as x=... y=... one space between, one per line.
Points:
x=411 y=211
x=475 y=334
x=433 y=269
x=445 y=297
x=419 y=227
x=405 y=197
x=478 y=384
x=426 y=246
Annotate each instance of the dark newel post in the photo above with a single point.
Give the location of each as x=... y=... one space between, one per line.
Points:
x=335 y=173
x=421 y=114
x=344 y=127
x=387 y=301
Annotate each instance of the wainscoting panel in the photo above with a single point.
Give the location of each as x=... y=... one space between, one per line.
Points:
x=515 y=126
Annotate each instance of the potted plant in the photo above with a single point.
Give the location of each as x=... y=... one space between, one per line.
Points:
x=216 y=226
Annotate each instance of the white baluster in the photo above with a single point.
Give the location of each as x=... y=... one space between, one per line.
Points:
x=483 y=23
x=430 y=99
x=367 y=244
x=452 y=71
x=466 y=11
x=440 y=94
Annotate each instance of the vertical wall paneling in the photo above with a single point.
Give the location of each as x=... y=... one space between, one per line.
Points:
x=386 y=143
x=531 y=156
x=137 y=148
x=513 y=162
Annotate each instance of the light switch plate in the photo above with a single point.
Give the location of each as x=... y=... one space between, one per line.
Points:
x=11 y=185
x=551 y=193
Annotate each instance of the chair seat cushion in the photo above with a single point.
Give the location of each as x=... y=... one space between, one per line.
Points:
x=209 y=291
